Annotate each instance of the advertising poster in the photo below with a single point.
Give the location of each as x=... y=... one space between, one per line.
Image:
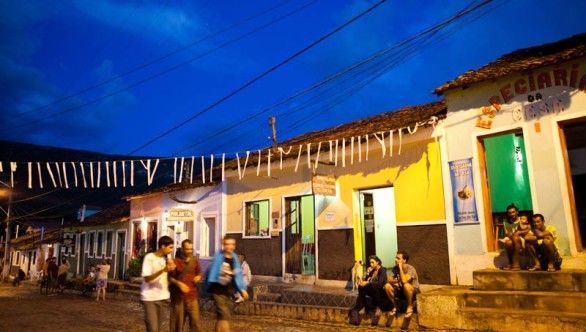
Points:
x=463 y=191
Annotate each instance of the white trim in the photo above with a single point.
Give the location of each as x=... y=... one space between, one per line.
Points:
x=557 y=145
x=91 y=254
x=259 y=199
x=423 y=223
x=449 y=206
x=217 y=230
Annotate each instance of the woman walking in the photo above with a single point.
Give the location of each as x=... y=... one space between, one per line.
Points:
x=102 y=282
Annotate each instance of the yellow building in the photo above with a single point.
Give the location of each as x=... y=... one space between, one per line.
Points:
x=328 y=198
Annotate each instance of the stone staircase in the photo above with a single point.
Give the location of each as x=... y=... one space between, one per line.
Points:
x=309 y=302
x=509 y=301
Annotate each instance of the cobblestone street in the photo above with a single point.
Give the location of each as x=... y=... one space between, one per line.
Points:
x=25 y=309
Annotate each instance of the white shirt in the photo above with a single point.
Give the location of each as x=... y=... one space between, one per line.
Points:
x=158 y=288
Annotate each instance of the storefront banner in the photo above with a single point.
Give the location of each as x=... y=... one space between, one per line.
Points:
x=463 y=191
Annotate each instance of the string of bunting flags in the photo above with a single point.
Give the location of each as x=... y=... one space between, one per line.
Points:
x=122 y=173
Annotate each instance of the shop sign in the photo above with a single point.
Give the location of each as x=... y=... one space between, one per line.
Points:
x=323 y=185
x=180 y=215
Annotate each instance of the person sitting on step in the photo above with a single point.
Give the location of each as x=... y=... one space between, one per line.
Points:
x=403 y=284
x=546 y=246
x=372 y=287
x=512 y=240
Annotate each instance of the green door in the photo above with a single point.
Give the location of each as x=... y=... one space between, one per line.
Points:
x=508 y=178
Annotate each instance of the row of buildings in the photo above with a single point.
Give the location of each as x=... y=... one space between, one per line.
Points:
x=433 y=180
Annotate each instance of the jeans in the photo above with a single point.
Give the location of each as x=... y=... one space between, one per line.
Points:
x=182 y=308
x=153 y=315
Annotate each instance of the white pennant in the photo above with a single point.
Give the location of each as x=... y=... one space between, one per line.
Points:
x=150 y=173
x=99 y=175
x=65 y=180
x=91 y=174
x=181 y=169
x=12 y=170
x=203 y=170
x=283 y=152
x=269 y=163
x=352 y=151
x=309 y=155
x=382 y=142
x=74 y=174
x=331 y=153
x=400 y=139
x=30 y=175
x=108 y=173
x=191 y=172
x=83 y=174
x=391 y=144
x=132 y=173
x=298 y=157
x=51 y=175
x=59 y=174
x=317 y=155
x=115 y=174
x=241 y=172
x=414 y=129
x=336 y=154
x=40 y=176
x=123 y=173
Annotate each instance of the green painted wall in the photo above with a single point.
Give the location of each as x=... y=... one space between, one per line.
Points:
x=307 y=217
x=508 y=177
x=264 y=219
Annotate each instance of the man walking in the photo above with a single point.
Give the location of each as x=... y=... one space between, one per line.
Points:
x=224 y=278
x=184 y=297
x=154 y=291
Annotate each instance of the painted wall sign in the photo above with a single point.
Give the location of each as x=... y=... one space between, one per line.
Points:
x=323 y=185
x=180 y=214
x=463 y=191
x=330 y=216
x=532 y=86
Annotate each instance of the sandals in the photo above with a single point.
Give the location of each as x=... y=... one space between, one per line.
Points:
x=534 y=268
x=393 y=312
x=408 y=314
x=551 y=268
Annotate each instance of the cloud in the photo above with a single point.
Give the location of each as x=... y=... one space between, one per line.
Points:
x=150 y=21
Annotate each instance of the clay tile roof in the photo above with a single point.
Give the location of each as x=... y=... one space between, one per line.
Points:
x=522 y=60
x=112 y=215
x=406 y=116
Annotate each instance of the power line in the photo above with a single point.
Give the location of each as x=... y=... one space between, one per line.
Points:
x=158 y=59
x=258 y=77
x=373 y=66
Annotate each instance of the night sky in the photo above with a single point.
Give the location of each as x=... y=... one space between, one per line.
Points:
x=70 y=75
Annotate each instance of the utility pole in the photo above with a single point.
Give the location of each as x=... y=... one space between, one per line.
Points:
x=272 y=123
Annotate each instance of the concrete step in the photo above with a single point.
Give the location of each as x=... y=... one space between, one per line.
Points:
x=567 y=302
x=292 y=296
x=563 y=280
x=268 y=297
x=464 y=308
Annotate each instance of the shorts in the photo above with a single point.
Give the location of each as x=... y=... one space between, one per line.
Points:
x=102 y=283
x=224 y=305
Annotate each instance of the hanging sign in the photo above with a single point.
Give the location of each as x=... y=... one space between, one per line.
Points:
x=323 y=185
x=463 y=191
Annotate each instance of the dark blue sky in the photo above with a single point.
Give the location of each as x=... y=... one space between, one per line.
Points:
x=49 y=50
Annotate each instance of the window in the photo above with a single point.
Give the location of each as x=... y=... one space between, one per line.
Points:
x=109 y=243
x=256 y=219
x=91 y=244
x=100 y=245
